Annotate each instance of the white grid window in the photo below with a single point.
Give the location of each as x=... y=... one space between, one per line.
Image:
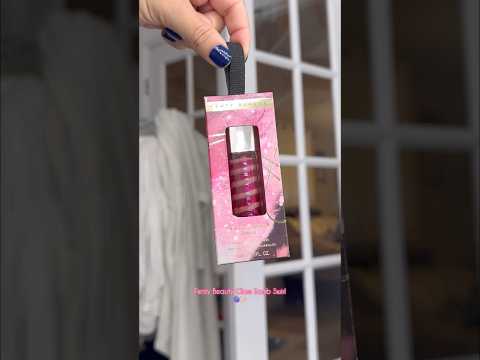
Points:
x=289 y=58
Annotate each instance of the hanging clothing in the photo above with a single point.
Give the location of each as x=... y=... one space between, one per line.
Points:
x=153 y=223
x=176 y=244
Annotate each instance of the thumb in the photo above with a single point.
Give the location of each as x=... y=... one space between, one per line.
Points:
x=200 y=35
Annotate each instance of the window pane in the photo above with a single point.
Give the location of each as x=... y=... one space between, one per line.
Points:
x=280 y=82
x=327 y=289
x=322 y=189
x=286 y=319
x=429 y=62
x=290 y=191
x=360 y=214
x=176 y=86
x=320 y=134
x=314 y=31
x=205 y=81
x=439 y=229
x=356 y=77
x=271 y=26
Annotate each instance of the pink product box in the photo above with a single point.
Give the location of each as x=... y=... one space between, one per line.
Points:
x=247 y=193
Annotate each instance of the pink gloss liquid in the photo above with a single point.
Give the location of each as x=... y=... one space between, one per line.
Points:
x=245 y=170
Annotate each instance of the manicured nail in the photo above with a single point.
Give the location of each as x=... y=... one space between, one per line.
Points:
x=167 y=36
x=220 y=55
x=173 y=34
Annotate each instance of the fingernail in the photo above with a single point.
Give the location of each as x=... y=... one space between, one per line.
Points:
x=167 y=36
x=220 y=55
x=173 y=34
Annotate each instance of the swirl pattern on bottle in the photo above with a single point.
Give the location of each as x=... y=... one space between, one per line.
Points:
x=246 y=185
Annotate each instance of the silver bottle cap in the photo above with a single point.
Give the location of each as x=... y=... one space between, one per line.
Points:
x=242 y=139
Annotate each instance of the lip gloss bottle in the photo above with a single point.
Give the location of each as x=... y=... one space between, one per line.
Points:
x=245 y=169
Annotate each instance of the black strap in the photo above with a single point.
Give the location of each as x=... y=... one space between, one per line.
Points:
x=235 y=72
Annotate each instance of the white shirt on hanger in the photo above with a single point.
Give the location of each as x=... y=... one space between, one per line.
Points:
x=176 y=245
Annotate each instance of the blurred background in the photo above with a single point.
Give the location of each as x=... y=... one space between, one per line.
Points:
x=410 y=176
x=69 y=179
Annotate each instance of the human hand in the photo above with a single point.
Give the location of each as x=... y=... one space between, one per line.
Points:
x=197 y=24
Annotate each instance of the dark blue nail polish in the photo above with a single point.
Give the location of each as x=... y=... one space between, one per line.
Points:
x=167 y=36
x=173 y=34
x=220 y=55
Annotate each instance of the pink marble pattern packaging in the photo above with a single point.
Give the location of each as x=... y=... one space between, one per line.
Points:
x=253 y=237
